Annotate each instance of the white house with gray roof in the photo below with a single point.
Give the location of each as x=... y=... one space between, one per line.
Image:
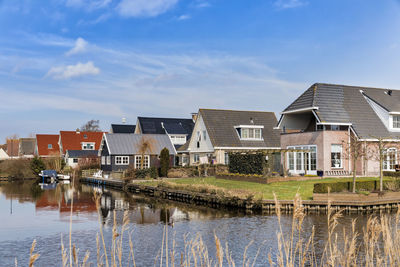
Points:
x=325 y=116
x=119 y=151
x=218 y=132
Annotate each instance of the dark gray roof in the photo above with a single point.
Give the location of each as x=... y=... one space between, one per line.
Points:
x=150 y=125
x=347 y=104
x=221 y=124
x=27 y=146
x=123 y=128
x=129 y=144
x=82 y=153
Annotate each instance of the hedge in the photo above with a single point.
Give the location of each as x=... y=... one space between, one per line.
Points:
x=336 y=187
x=391 y=174
x=247 y=163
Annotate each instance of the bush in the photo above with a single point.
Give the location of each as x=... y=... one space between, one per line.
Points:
x=336 y=187
x=37 y=165
x=247 y=163
x=391 y=174
x=17 y=168
x=164 y=162
x=146 y=173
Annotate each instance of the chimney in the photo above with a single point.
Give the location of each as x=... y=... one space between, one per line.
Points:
x=77 y=131
x=251 y=120
x=194 y=116
x=123 y=120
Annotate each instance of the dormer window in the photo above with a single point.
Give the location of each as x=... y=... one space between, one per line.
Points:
x=49 y=146
x=249 y=132
x=87 y=146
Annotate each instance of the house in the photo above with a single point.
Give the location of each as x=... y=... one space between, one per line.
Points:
x=27 y=147
x=77 y=140
x=119 y=151
x=13 y=148
x=3 y=154
x=323 y=120
x=218 y=132
x=47 y=145
x=76 y=158
x=179 y=130
x=122 y=128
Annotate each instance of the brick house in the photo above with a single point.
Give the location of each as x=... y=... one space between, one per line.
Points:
x=323 y=121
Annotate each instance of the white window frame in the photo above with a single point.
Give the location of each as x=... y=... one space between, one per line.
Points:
x=84 y=144
x=103 y=160
x=341 y=156
x=395 y=122
x=196 y=158
x=137 y=161
x=386 y=160
x=121 y=160
x=73 y=160
x=49 y=146
x=248 y=132
x=108 y=160
x=296 y=159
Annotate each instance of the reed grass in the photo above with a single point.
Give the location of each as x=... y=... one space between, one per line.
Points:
x=379 y=245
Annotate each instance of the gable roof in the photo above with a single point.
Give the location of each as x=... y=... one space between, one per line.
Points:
x=44 y=140
x=13 y=147
x=72 y=140
x=81 y=153
x=123 y=128
x=27 y=146
x=348 y=104
x=3 y=154
x=129 y=144
x=221 y=124
x=150 y=125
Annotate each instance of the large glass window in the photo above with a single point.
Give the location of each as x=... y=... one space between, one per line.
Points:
x=122 y=160
x=390 y=159
x=138 y=161
x=226 y=155
x=336 y=156
x=302 y=162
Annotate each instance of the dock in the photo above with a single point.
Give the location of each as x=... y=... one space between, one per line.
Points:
x=268 y=206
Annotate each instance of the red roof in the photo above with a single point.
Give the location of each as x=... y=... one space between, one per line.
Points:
x=13 y=147
x=43 y=144
x=72 y=140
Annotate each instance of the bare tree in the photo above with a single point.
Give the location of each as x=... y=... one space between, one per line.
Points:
x=91 y=126
x=145 y=145
x=354 y=150
x=381 y=155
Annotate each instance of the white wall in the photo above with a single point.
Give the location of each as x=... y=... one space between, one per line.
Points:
x=205 y=145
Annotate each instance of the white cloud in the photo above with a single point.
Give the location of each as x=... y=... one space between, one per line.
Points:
x=284 y=4
x=79 y=47
x=184 y=17
x=88 y=4
x=201 y=4
x=144 y=8
x=71 y=71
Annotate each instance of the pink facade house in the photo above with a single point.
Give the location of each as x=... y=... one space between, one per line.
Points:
x=322 y=121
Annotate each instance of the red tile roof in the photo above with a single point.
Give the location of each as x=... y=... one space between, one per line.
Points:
x=72 y=140
x=44 y=140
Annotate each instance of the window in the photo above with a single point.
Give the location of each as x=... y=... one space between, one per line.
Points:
x=196 y=158
x=205 y=135
x=122 y=160
x=75 y=160
x=103 y=160
x=302 y=162
x=335 y=127
x=390 y=159
x=396 y=121
x=320 y=127
x=336 y=156
x=178 y=139
x=251 y=132
x=226 y=158
x=108 y=160
x=87 y=146
x=49 y=146
x=138 y=162
x=85 y=136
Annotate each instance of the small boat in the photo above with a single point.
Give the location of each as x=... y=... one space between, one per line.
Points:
x=63 y=177
x=45 y=186
x=48 y=176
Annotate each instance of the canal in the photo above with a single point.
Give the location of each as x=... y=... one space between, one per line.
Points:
x=27 y=213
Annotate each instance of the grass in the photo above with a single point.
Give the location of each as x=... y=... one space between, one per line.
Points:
x=283 y=190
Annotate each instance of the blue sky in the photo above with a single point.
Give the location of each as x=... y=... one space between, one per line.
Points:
x=64 y=62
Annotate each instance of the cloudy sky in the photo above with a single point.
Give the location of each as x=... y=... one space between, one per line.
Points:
x=64 y=62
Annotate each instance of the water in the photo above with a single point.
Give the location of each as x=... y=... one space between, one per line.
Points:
x=28 y=213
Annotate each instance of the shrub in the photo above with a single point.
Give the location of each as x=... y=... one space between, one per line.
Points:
x=37 y=165
x=391 y=174
x=336 y=187
x=164 y=162
x=146 y=173
x=247 y=163
x=17 y=168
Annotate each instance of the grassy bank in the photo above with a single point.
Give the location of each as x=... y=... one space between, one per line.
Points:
x=283 y=190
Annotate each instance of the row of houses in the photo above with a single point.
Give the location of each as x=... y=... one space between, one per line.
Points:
x=313 y=134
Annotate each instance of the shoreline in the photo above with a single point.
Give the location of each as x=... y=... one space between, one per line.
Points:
x=217 y=201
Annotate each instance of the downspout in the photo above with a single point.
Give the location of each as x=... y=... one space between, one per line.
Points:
x=349 y=149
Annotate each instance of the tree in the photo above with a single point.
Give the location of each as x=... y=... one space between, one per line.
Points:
x=144 y=145
x=91 y=126
x=164 y=162
x=355 y=151
x=381 y=155
x=37 y=165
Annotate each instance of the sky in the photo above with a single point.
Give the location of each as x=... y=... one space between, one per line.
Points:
x=64 y=62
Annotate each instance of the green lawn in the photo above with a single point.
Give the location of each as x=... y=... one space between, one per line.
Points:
x=283 y=190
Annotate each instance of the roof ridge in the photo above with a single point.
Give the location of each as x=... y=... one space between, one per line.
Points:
x=356 y=86
x=236 y=110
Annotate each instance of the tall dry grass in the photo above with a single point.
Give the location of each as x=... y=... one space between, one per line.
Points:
x=378 y=245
